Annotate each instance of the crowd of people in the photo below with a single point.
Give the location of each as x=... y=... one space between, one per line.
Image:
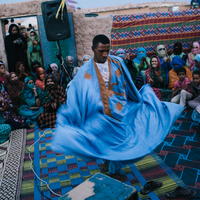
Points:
x=31 y=94
x=105 y=103
x=174 y=78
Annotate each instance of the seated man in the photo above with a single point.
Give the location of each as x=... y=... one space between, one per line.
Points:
x=106 y=117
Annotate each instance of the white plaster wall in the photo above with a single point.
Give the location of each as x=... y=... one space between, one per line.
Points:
x=2 y=46
x=85 y=28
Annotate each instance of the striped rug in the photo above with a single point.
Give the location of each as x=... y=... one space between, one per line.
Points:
x=63 y=173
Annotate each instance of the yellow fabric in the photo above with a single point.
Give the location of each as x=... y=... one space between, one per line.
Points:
x=173 y=77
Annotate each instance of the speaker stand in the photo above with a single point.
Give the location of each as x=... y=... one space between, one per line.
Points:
x=63 y=68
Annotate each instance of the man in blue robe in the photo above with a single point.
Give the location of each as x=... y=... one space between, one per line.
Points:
x=106 y=117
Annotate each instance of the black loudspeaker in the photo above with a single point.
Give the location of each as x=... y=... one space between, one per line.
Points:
x=56 y=29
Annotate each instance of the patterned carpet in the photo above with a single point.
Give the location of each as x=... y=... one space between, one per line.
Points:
x=63 y=173
x=181 y=149
x=11 y=161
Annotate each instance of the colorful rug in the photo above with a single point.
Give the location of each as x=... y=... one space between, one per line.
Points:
x=63 y=173
x=12 y=158
x=148 y=30
x=181 y=149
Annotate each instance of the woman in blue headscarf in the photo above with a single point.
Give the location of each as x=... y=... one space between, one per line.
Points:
x=141 y=62
x=197 y=62
x=137 y=78
x=29 y=99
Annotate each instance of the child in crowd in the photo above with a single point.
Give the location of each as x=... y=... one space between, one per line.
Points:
x=182 y=91
x=195 y=88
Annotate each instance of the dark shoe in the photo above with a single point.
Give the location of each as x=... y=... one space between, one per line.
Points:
x=105 y=168
x=116 y=176
x=43 y=126
x=24 y=125
x=150 y=186
x=181 y=193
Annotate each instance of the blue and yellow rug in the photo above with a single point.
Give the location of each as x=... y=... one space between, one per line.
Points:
x=63 y=173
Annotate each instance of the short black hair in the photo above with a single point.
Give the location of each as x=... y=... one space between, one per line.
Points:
x=100 y=39
x=181 y=69
x=197 y=71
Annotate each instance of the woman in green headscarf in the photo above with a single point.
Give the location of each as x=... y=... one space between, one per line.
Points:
x=30 y=101
x=34 y=48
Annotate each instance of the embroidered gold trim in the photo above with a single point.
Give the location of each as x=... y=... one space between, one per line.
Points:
x=118 y=72
x=87 y=76
x=119 y=106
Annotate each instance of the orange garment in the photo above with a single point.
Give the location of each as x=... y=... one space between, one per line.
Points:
x=40 y=84
x=173 y=77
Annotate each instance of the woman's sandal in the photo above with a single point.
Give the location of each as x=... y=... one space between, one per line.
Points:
x=150 y=186
x=181 y=193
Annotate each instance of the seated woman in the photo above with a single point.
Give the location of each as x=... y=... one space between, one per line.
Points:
x=3 y=74
x=11 y=118
x=165 y=60
x=141 y=62
x=85 y=59
x=55 y=71
x=156 y=77
x=137 y=78
x=29 y=99
x=40 y=77
x=53 y=96
x=176 y=63
x=197 y=62
x=14 y=88
x=20 y=71
x=34 y=65
x=5 y=129
x=177 y=51
x=194 y=51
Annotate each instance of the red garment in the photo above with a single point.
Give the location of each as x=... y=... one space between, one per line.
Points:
x=39 y=84
x=2 y=79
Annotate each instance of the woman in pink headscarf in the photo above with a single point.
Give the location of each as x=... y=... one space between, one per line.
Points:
x=194 y=51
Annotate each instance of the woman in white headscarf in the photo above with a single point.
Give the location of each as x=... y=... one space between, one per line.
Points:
x=194 y=51
x=165 y=60
x=85 y=59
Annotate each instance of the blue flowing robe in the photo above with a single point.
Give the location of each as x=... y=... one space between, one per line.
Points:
x=118 y=123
